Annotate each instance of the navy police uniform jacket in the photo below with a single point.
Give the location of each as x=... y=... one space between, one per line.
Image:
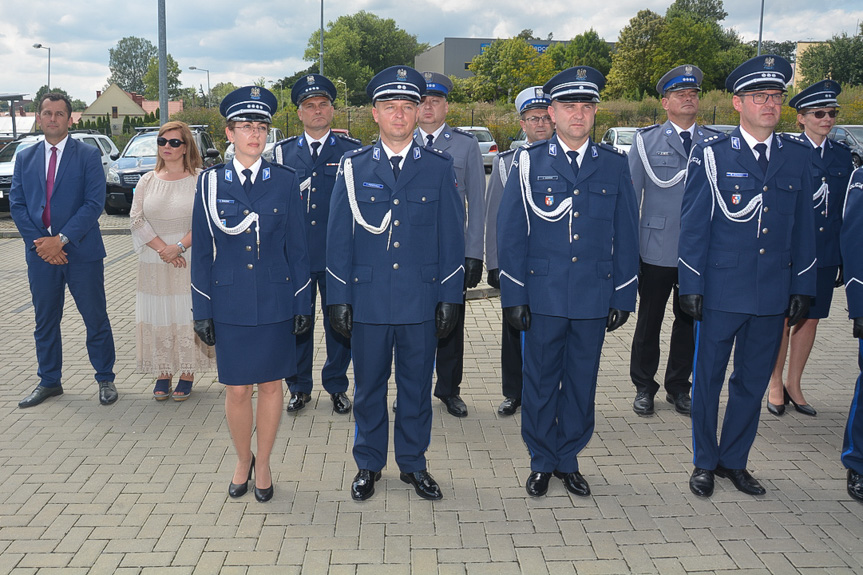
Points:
x=568 y=247
x=317 y=179
x=830 y=175
x=747 y=240
x=493 y=194
x=395 y=248
x=852 y=254
x=235 y=280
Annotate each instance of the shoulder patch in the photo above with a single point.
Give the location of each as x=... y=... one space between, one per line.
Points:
x=464 y=133
x=610 y=148
x=347 y=138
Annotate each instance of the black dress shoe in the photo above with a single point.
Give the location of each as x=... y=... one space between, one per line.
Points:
x=803 y=408
x=239 y=489
x=855 y=485
x=776 y=410
x=509 y=406
x=701 y=482
x=298 y=401
x=107 y=392
x=341 y=403
x=424 y=484
x=742 y=480
x=454 y=405
x=537 y=483
x=40 y=394
x=264 y=495
x=682 y=402
x=363 y=485
x=574 y=482
x=643 y=404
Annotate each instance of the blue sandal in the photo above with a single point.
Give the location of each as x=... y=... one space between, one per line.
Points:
x=162 y=390
x=183 y=391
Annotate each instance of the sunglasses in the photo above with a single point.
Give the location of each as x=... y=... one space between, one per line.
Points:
x=821 y=113
x=174 y=142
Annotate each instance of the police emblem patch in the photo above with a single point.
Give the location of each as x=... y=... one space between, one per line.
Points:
x=769 y=63
x=255 y=93
x=688 y=70
x=581 y=74
x=266 y=173
x=538 y=93
x=735 y=198
x=427 y=76
x=549 y=201
x=401 y=75
x=310 y=79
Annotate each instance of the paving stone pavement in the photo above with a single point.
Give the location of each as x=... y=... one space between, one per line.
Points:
x=140 y=486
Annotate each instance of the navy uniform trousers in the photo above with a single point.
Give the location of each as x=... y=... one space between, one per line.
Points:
x=852 y=257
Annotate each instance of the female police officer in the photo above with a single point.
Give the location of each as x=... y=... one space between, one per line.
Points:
x=250 y=279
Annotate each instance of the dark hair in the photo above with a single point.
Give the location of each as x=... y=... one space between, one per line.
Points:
x=56 y=97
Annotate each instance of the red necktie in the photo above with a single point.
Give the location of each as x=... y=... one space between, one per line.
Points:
x=49 y=187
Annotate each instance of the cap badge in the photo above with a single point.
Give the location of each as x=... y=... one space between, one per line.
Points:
x=538 y=93
x=828 y=86
x=769 y=63
x=427 y=76
x=310 y=79
x=688 y=70
x=255 y=93
x=581 y=74
x=401 y=75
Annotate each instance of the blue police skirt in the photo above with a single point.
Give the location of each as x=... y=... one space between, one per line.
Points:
x=824 y=286
x=255 y=354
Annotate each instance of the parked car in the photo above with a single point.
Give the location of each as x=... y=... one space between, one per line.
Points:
x=519 y=140
x=8 y=154
x=723 y=128
x=139 y=157
x=851 y=136
x=487 y=145
x=274 y=136
x=621 y=138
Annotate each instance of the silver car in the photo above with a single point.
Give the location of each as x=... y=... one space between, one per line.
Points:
x=273 y=136
x=620 y=138
x=487 y=145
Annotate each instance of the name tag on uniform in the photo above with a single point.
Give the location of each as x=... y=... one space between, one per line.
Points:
x=371 y=185
x=664 y=153
x=545 y=178
x=221 y=201
x=736 y=175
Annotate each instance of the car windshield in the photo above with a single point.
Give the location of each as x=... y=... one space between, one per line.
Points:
x=483 y=135
x=9 y=153
x=856 y=131
x=625 y=138
x=142 y=146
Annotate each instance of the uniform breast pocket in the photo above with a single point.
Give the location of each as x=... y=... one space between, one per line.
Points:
x=373 y=203
x=548 y=195
x=838 y=172
x=665 y=167
x=736 y=192
x=275 y=207
x=330 y=170
x=422 y=206
x=602 y=200
x=787 y=190
x=226 y=210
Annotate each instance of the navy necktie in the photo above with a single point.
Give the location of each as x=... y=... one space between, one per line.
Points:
x=687 y=141
x=573 y=157
x=315 y=146
x=395 y=161
x=429 y=140
x=247 y=184
x=762 y=156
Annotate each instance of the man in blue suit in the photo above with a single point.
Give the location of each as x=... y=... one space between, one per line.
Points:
x=315 y=156
x=395 y=265
x=746 y=257
x=57 y=196
x=568 y=255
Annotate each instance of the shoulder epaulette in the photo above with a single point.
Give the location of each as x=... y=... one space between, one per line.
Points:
x=718 y=137
x=286 y=140
x=840 y=144
x=605 y=146
x=290 y=169
x=358 y=151
x=794 y=138
x=213 y=167
x=534 y=144
x=707 y=130
x=441 y=153
x=648 y=128
x=505 y=153
x=464 y=133
x=347 y=138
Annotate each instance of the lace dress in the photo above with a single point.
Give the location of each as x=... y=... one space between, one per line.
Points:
x=166 y=342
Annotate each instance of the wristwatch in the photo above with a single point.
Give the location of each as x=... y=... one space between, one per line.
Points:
x=63 y=239
x=182 y=247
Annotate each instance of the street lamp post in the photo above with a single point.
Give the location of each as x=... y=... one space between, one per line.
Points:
x=208 y=81
x=340 y=81
x=321 y=53
x=38 y=45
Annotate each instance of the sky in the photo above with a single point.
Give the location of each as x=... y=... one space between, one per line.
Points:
x=240 y=41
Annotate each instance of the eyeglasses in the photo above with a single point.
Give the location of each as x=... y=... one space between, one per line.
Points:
x=821 y=113
x=174 y=142
x=248 y=129
x=761 y=98
x=534 y=120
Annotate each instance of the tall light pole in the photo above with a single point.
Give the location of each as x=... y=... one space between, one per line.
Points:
x=760 y=27
x=208 y=81
x=321 y=53
x=38 y=45
x=340 y=81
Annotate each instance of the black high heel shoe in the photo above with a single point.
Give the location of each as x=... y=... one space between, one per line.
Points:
x=778 y=410
x=239 y=489
x=264 y=495
x=804 y=408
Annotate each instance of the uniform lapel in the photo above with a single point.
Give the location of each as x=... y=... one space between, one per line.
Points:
x=409 y=167
x=589 y=162
x=559 y=161
x=384 y=169
x=673 y=138
x=327 y=150
x=777 y=157
x=744 y=154
x=233 y=187
x=304 y=153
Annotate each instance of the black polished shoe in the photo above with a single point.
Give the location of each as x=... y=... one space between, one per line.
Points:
x=776 y=410
x=803 y=408
x=363 y=485
x=855 y=485
x=537 y=483
x=265 y=494
x=574 y=482
x=701 y=482
x=424 y=484
x=742 y=480
x=454 y=405
x=298 y=401
x=509 y=406
x=682 y=402
x=107 y=392
x=341 y=403
x=239 y=489
x=643 y=404
x=40 y=394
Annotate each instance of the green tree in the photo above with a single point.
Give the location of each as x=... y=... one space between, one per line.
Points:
x=586 y=49
x=787 y=49
x=151 y=79
x=221 y=90
x=76 y=104
x=128 y=62
x=709 y=10
x=632 y=63
x=358 y=46
x=840 y=58
x=505 y=68
x=686 y=39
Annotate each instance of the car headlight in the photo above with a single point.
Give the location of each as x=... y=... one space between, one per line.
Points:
x=113 y=177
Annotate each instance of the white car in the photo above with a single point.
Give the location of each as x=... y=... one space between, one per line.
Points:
x=620 y=138
x=274 y=136
x=487 y=145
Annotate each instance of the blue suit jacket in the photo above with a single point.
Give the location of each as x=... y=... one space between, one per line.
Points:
x=400 y=275
x=834 y=169
x=751 y=266
x=585 y=263
x=294 y=152
x=230 y=282
x=76 y=203
x=852 y=255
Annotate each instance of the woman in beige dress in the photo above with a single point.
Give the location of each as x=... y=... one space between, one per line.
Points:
x=161 y=222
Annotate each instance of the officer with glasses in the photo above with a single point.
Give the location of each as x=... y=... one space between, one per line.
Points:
x=746 y=259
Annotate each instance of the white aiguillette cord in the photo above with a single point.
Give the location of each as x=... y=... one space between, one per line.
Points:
x=751 y=209
x=212 y=188
x=555 y=215
x=355 y=209
x=639 y=145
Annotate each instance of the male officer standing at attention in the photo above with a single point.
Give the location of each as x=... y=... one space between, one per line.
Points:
x=315 y=156
x=57 y=196
x=746 y=256
x=568 y=253
x=532 y=105
x=434 y=132
x=657 y=162
x=395 y=265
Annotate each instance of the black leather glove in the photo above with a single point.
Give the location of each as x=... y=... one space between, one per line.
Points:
x=798 y=306
x=472 y=272
x=206 y=330
x=840 y=278
x=341 y=318
x=858 y=327
x=302 y=324
x=445 y=318
x=616 y=318
x=493 y=278
x=691 y=305
x=518 y=316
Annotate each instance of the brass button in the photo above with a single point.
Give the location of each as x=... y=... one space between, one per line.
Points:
x=603 y=191
x=574 y=259
x=575 y=214
x=396 y=245
x=275 y=210
x=314 y=206
x=764 y=230
x=531 y=272
x=423 y=198
x=766 y=209
x=221 y=213
x=790 y=187
x=314 y=223
x=821 y=229
x=372 y=198
x=396 y=223
x=314 y=189
x=764 y=188
x=395 y=266
x=823 y=179
x=248 y=230
x=575 y=192
x=824 y=213
x=396 y=202
x=761 y=251
x=245 y=212
x=314 y=174
x=216 y=282
x=250 y=266
x=287 y=279
x=575 y=237
x=736 y=187
x=356 y=280
x=248 y=248
x=548 y=190
x=608 y=276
